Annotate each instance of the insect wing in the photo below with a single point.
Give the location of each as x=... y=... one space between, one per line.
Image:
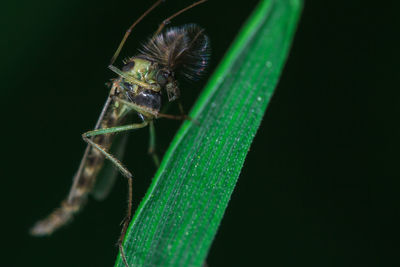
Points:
x=108 y=173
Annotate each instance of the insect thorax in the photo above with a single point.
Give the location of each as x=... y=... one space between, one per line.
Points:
x=145 y=72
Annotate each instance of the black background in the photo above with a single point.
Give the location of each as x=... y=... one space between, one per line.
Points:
x=320 y=185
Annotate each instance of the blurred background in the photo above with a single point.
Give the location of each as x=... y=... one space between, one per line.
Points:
x=320 y=185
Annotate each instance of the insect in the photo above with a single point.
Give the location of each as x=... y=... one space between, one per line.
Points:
x=139 y=89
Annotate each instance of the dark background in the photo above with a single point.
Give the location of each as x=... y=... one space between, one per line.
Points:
x=320 y=185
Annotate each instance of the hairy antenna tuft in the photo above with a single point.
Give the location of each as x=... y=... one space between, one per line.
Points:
x=183 y=49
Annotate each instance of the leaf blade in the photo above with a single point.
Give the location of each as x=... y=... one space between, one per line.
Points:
x=180 y=214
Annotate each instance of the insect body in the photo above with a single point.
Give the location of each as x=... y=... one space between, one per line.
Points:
x=139 y=89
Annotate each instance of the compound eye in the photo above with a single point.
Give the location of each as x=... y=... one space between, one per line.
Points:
x=128 y=66
x=162 y=78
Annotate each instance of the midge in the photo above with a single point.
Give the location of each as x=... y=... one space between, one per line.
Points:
x=139 y=89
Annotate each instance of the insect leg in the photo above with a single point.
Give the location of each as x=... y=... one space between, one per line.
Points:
x=182 y=111
x=131 y=79
x=152 y=144
x=162 y=25
x=168 y=20
x=128 y=32
x=152 y=112
x=86 y=136
x=173 y=117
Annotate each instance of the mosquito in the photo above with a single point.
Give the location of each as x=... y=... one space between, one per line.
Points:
x=139 y=89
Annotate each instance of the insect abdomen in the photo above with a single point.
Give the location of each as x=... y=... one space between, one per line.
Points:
x=83 y=182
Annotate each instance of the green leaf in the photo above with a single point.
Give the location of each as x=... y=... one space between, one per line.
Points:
x=178 y=218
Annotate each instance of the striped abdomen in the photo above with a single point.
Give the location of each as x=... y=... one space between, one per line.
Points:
x=83 y=181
